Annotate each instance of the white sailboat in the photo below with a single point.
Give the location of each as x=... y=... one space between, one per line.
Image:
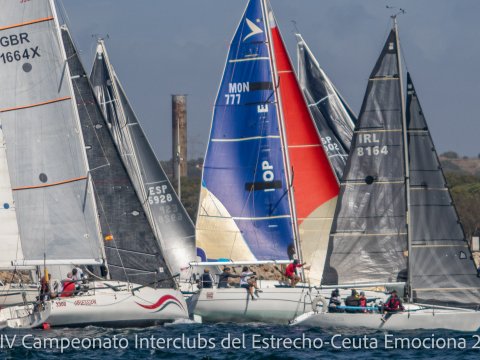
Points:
x=268 y=190
x=49 y=112
x=395 y=219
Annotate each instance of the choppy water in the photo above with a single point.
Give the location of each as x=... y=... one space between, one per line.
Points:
x=186 y=340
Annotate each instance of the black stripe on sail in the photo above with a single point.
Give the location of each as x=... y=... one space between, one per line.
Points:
x=264 y=85
x=263 y=185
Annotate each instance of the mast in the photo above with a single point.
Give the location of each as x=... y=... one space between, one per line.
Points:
x=283 y=136
x=406 y=161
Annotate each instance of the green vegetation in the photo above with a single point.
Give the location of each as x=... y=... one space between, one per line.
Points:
x=463 y=178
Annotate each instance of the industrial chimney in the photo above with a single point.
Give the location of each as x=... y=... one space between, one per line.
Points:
x=179 y=138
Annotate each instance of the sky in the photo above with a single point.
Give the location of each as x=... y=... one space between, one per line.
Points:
x=161 y=47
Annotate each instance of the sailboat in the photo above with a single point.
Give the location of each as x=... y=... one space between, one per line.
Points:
x=169 y=220
x=48 y=101
x=395 y=219
x=333 y=117
x=268 y=190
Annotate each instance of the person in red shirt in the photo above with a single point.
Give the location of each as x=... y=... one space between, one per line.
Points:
x=363 y=301
x=393 y=305
x=68 y=286
x=290 y=272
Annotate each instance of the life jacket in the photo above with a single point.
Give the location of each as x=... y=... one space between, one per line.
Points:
x=394 y=304
x=68 y=289
x=363 y=302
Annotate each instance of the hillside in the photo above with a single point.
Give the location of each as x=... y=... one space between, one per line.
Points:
x=463 y=177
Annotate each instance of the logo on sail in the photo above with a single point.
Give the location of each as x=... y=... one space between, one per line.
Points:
x=254 y=29
x=162 y=303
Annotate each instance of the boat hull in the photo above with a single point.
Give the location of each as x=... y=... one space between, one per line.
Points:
x=450 y=319
x=274 y=305
x=277 y=303
x=109 y=303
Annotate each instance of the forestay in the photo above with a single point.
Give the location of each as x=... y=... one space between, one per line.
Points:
x=46 y=158
x=132 y=251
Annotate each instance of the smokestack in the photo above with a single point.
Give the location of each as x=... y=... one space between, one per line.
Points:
x=179 y=137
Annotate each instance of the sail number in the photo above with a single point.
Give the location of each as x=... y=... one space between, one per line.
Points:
x=234 y=92
x=158 y=195
x=329 y=145
x=371 y=150
x=17 y=55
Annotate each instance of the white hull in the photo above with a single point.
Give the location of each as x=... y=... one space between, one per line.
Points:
x=103 y=306
x=416 y=319
x=274 y=305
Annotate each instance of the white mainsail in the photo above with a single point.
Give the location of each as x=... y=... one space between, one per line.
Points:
x=53 y=198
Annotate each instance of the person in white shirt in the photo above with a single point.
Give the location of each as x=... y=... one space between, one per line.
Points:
x=249 y=282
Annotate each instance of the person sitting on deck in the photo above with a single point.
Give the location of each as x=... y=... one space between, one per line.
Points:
x=362 y=301
x=207 y=280
x=353 y=300
x=68 y=286
x=249 y=282
x=290 y=272
x=224 y=276
x=335 y=302
x=393 y=305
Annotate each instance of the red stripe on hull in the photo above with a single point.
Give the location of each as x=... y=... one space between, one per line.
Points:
x=313 y=178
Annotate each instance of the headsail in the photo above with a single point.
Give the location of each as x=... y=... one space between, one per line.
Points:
x=368 y=241
x=46 y=158
x=244 y=211
x=443 y=271
x=335 y=121
x=172 y=226
x=132 y=251
x=314 y=182
x=9 y=235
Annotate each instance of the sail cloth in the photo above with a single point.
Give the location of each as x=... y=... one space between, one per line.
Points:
x=9 y=236
x=335 y=121
x=443 y=271
x=314 y=182
x=131 y=249
x=368 y=240
x=172 y=226
x=244 y=211
x=46 y=158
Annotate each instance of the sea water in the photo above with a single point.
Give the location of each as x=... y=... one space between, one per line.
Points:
x=189 y=340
